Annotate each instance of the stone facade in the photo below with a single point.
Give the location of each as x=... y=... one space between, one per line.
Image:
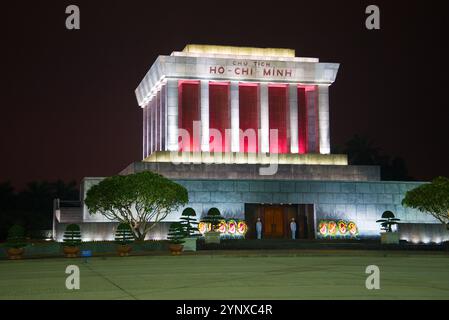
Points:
x=251 y=171
x=362 y=202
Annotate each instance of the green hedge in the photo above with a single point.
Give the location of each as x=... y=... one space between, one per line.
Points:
x=54 y=249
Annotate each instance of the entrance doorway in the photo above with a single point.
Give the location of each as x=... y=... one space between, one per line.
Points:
x=276 y=220
x=273 y=220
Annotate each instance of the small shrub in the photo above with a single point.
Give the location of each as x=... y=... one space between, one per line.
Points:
x=387 y=221
x=213 y=212
x=213 y=217
x=16 y=237
x=189 y=222
x=72 y=235
x=176 y=233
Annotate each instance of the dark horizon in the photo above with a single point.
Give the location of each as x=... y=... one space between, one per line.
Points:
x=70 y=110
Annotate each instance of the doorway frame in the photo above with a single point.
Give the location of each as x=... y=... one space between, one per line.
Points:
x=255 y=210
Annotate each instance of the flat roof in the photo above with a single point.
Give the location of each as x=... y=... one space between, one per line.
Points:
x=240 y=51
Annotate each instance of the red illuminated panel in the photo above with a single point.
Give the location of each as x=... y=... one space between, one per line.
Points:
x=278 y=116
x=249 y=116
x=302 y=120
x=188 y=112
x=219 y=116
x=313 y=119
x=308 y=119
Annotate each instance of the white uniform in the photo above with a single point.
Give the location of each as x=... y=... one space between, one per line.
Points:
x=293 y=229
x=259 y=229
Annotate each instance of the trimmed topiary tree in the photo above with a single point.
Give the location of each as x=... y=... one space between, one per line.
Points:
x=387 y=221
x=72 y=235
x=176 y=233
x=213 y=217
x=190 y=225
x=72 y=240
x=124 y=235
x=15 y=242
x=189 y=222
x=16 y=237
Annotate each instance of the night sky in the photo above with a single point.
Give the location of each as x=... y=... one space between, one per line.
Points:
x=68 y=108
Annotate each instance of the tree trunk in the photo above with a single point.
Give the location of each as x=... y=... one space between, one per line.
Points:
x=138 y=235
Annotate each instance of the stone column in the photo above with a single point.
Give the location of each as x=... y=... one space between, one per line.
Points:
x=172 y=114
x=144 y=133
x=153 y=126
x=204 y=110
x=148 y=128
x=323 y=119
x=235 y=124
x=264 y=119
x=163 y=117
x=294 y=124
x=151 y=135
x=157 y=120
x=312 y=120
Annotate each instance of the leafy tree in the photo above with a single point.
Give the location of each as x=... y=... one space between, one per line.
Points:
x=124 y=234
x=141 y=200
x=64 y=190
x=7 y=208
x=189 y=222
x=176 y=233
x=72 y=235
x=362 y=151
x=33 y=206
x=6 y=195
x=431 y=198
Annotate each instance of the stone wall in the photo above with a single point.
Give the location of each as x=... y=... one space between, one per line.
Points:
x=105 y=231
x=361 y=202
x=251 y=171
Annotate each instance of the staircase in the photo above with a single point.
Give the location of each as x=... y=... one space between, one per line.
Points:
x=68 y=211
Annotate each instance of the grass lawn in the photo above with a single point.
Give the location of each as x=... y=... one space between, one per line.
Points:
x=236 y=275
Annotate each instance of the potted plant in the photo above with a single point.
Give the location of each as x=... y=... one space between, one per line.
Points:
x=123 y=237
x=191 y=228
x=72 y=240
x=15 y=242
x=386 y=223
x=176 y=235
x=213 y=217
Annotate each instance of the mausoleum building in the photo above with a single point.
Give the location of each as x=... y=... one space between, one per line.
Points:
x=246 y=130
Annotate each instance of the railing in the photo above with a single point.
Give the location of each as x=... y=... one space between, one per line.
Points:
x=69 y=204
x=68 y=211
x=58 y=204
